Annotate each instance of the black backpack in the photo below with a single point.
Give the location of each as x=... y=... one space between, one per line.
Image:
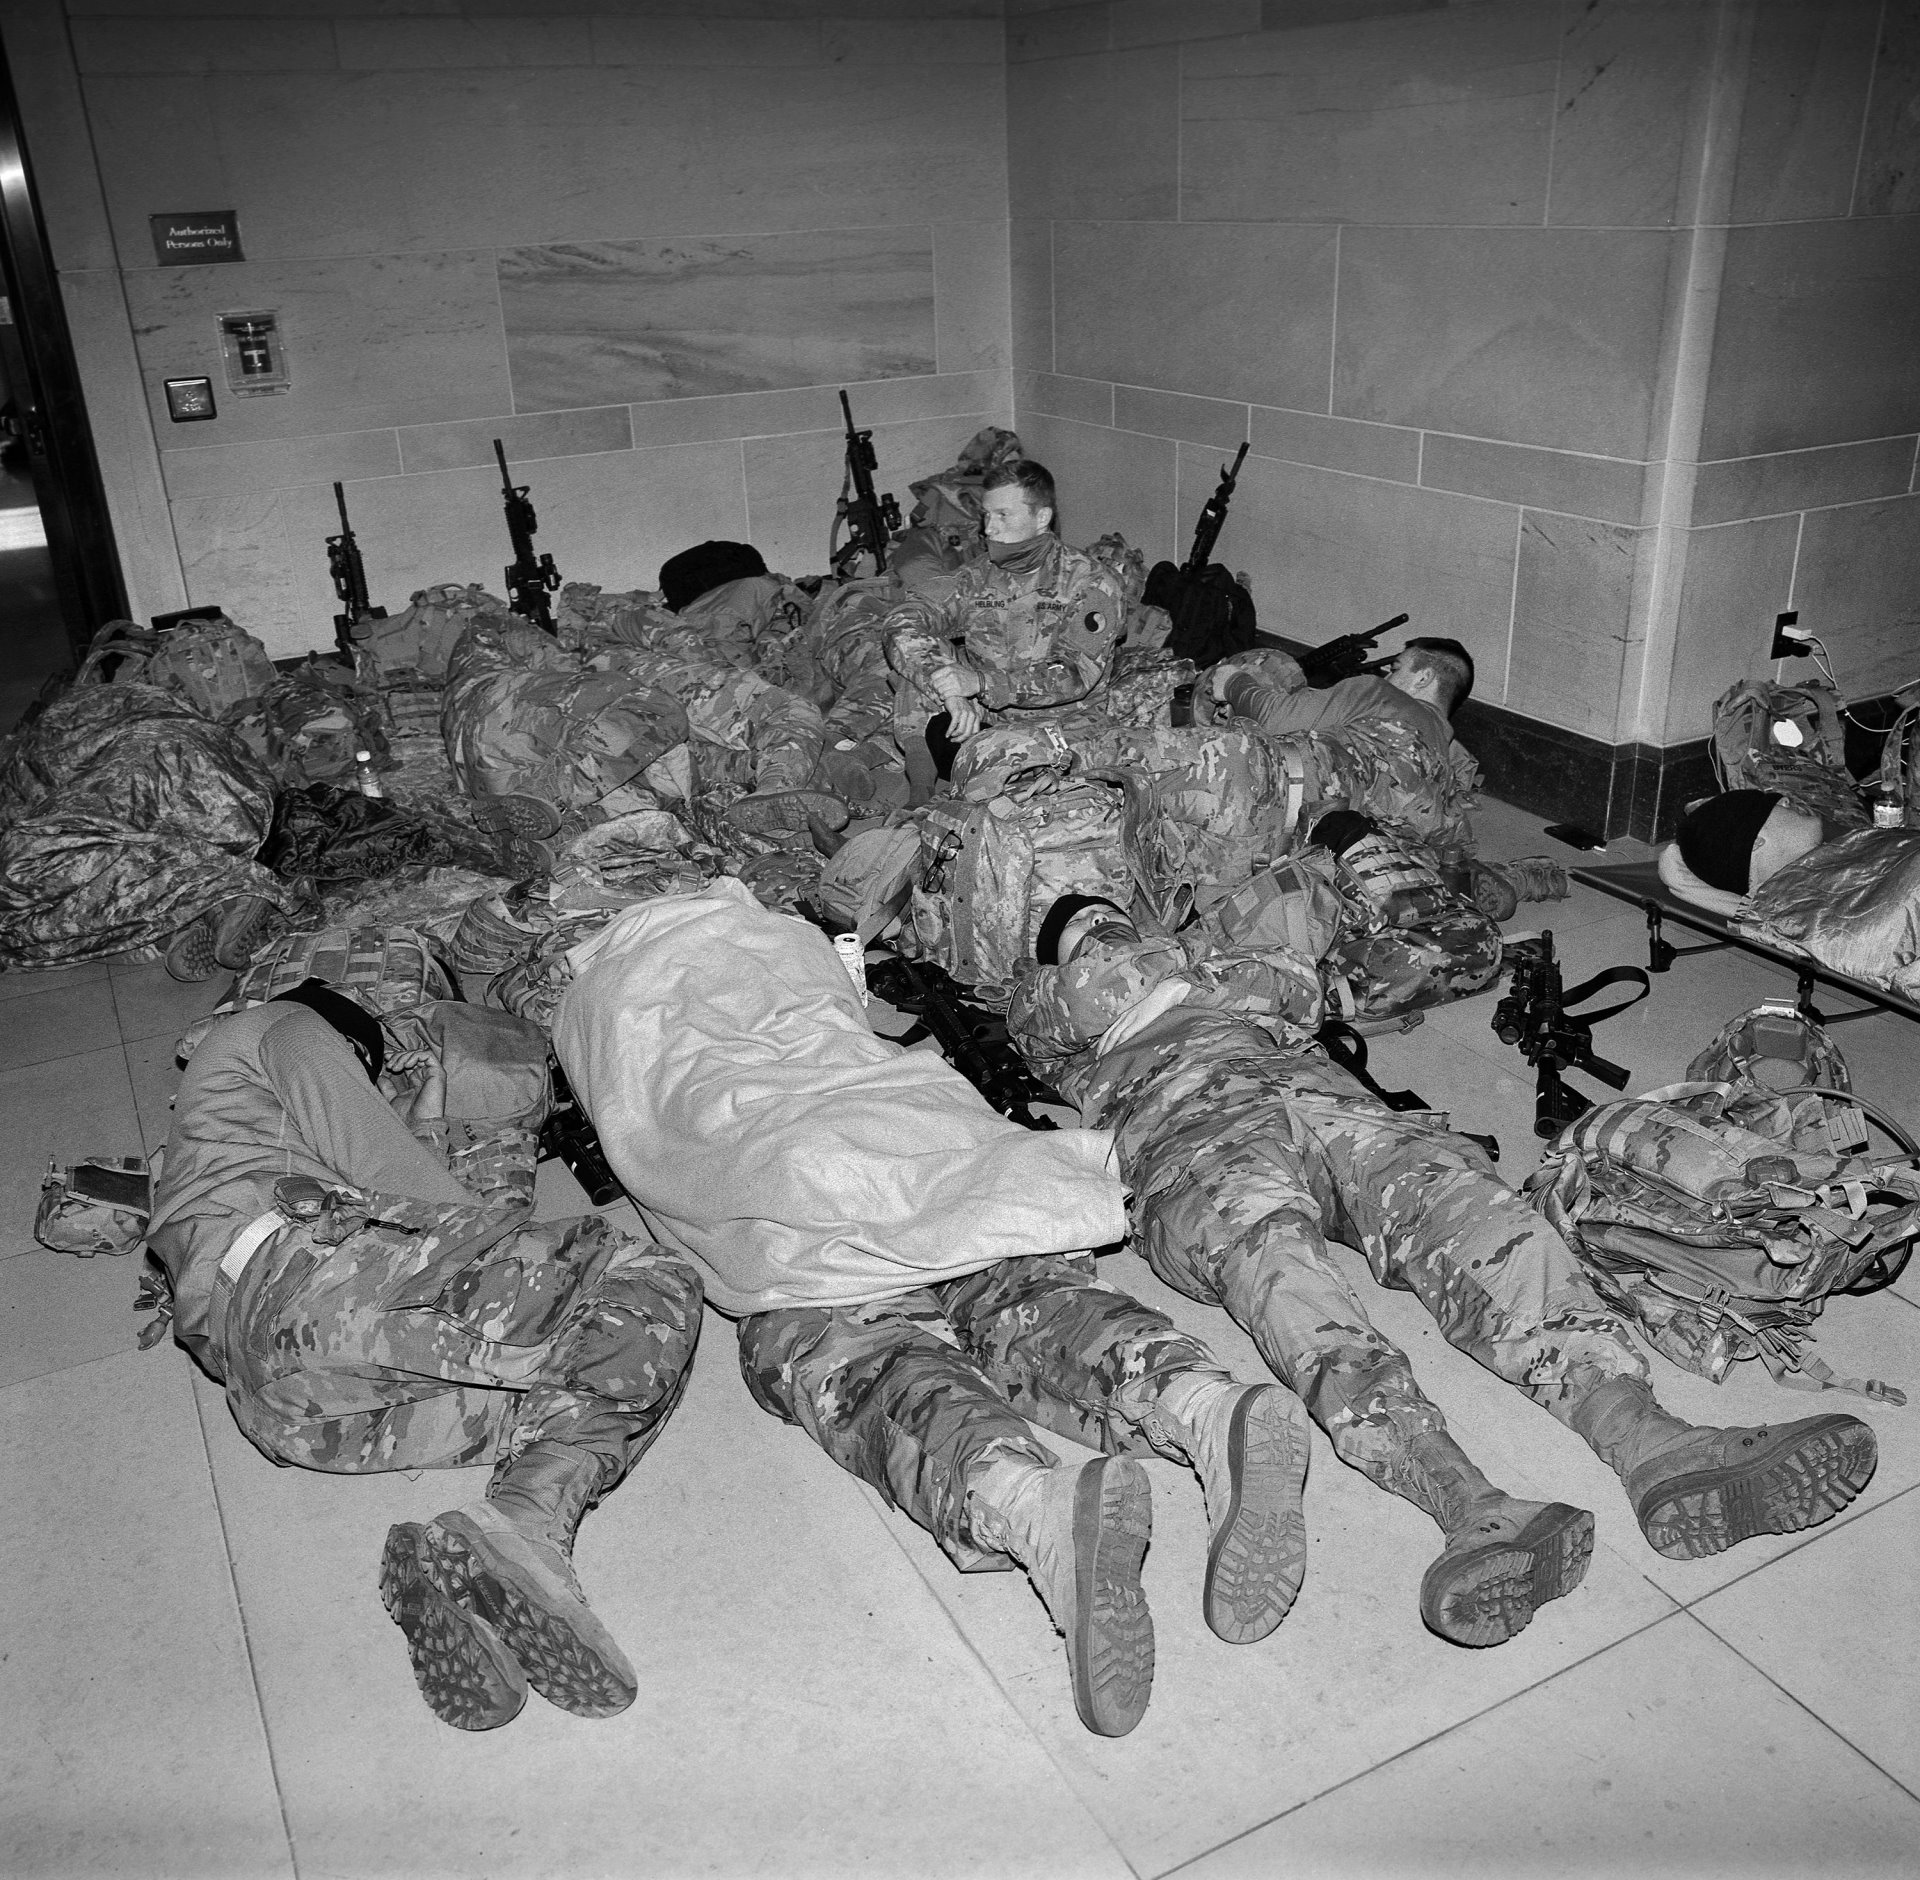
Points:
x=1212 y=614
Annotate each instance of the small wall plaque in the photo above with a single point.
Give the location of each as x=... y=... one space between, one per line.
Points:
x=189 y=400
x=191 y=238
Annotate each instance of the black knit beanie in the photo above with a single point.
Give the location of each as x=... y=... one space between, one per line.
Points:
x=695 y=571
x=1716 y=837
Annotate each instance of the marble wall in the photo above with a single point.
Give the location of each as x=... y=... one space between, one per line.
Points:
x=1581 y=330
x=643 y=244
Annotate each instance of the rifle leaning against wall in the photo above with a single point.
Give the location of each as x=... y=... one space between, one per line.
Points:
x=870 y=521
x=349 y=574
x=530 y=577
x=1213 y=614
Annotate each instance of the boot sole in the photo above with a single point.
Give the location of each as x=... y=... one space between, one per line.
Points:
x=1483 y=1597
x=1111 y=1649
x=1258 y=1556
x=1805 y=1474
x=528 y=816
x=464 y=1671
x=568 y=1667
x=190 y=957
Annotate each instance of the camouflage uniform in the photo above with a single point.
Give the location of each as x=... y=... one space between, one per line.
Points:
x=416 y=1321
x=521 y=717
x=913 y=1393
x=1036 y=632
x=1245 y=1149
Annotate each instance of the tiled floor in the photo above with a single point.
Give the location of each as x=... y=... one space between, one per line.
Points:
x=198 y=1679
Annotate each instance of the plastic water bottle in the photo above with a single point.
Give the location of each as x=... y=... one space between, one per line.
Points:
x=363 y=774
x=853 y=956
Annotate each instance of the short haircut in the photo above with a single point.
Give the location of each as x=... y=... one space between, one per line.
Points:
x=1450 y=663
x=1033 y=480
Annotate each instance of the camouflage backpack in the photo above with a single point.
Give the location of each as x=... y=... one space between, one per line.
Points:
x=386 y=969
x=1774 y=1050
x=1691 y=1210
x=1749 y=754
x=991 y=869
x=97 y=1205
x=211 y=663
x=420 y=639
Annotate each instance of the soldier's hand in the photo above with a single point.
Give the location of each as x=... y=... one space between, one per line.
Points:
x=964 y=718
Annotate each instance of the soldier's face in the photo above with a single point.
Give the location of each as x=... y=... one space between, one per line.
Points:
x=1009 y=517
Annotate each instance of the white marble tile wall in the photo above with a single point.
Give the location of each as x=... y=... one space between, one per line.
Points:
x=1406 y=248
x=628 y=239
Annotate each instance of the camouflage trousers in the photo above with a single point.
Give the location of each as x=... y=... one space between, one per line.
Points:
x=1245 y=1161
x=912 y=1394
x=438 y=1334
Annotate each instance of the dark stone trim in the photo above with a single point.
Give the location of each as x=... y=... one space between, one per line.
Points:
x=1613 y=789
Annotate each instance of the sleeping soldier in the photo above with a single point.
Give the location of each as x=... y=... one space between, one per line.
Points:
x=371 y=1304
x=907 y=1273
x=1245 y=1149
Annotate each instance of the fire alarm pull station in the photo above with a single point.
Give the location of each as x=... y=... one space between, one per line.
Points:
x=255 y=353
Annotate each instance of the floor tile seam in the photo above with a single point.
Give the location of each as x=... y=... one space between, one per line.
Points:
x=60 y=1370
x=1459 y=1723
x=892 y=1531
x=1801 y=1704
x=1811 y=1537
x=246 y=1634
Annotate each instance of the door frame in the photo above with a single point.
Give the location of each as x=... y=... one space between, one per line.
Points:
x=66 y=470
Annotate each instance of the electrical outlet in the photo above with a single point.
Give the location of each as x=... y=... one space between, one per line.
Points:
x=1790 y=639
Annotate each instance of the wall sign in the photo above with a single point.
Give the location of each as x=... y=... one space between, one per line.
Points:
x=189 y=238
x=189 y=401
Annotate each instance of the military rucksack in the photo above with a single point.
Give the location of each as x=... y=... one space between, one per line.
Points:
x=97 y=1205
x=1691 y=1210
x=211 y=662
x=1806 y=766
x=1775 y=1050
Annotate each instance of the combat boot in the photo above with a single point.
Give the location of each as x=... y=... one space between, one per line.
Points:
x=1504 y=1559
x=1081 y=1534
x=786 y=812
x=1698 y=1490
x=462 y=1667
x=510 y=1562
x=1248 y=1444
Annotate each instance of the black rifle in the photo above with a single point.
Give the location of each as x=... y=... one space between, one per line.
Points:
x=971 y=1038
x=1344 y=658
x=1213 y=615
x=1533 y=1014
x=569 y=1134
x=870 y=520
x=530 y=577
x=349 y=581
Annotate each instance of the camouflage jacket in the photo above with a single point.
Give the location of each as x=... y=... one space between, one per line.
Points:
x=1035 y=632
x=1065 y=1018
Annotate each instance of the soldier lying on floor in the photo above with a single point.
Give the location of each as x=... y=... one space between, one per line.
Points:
x=1245 y=1149
x=905 y=1268
x=370 y=1303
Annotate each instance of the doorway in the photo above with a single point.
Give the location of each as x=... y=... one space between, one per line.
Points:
x=60 y=575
